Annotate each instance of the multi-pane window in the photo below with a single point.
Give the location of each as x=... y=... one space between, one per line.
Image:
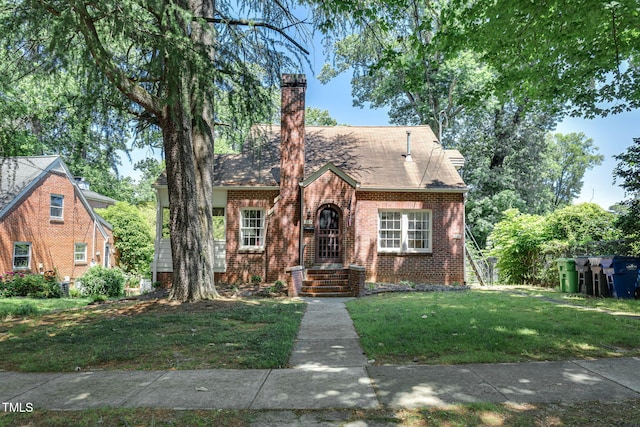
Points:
x=80 y=252
x=390 y=230
x=21 y=255
x=57 y=201
x=418 y=230
x=404 y=231
x=252 y=228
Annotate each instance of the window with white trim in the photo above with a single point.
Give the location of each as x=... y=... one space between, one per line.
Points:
x=251 y=228
x=404 y=231
x=21 y=255
x=80 y=253
x=57 y=202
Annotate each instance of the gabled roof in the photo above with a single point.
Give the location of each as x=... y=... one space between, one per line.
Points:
x=373 y=156
x=18 y=175
x=333 y=168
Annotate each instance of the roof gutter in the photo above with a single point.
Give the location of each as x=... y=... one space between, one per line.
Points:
x=416 y=190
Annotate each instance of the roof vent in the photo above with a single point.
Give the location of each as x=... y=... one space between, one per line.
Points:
x=408 y=155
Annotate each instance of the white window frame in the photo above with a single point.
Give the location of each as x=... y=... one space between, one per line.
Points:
x=392 y=239
x=52 y=206
x=28 y=256
x=249 y=231
x=82 y=260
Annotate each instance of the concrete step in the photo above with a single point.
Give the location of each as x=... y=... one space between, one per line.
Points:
x=326 y=294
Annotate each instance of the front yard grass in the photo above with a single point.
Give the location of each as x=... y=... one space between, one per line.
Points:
x=489 y=327
x=32 y=306
x=249 y=334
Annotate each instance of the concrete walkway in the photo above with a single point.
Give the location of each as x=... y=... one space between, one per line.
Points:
x=328 y=370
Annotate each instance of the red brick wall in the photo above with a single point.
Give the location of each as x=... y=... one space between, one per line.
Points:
x=444 y=265
x=241 y=265
x=330 y=189
x=52 y=241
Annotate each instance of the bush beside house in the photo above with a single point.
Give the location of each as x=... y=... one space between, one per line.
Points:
x=17 y=284
x=528 y=245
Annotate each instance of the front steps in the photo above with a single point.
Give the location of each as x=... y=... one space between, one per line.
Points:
x=326 y=282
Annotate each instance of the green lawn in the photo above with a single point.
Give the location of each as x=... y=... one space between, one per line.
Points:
x=490 y=326
x=247 y=334
x=31 y=306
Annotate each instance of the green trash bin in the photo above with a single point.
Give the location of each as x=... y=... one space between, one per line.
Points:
x=568 y=275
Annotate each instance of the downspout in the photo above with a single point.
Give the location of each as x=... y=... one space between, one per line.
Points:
x=154 y=268
x=301 y=246
x=93 y=243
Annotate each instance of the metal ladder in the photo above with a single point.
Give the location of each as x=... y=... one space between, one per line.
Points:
x=479 y=264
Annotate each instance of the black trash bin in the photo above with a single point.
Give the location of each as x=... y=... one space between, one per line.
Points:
x=622 y=275
x=64 y=289
x=585 y=279
x=598 y=278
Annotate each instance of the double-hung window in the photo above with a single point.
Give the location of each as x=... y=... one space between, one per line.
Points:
x=404 y=231
x=21 y=255
x=80 y=253
x=252 y=228
x=57 y=202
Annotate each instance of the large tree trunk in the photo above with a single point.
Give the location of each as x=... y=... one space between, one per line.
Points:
x=189 y=159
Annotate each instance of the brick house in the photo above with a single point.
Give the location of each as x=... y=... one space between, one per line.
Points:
x=46 y=222
x=333 y=206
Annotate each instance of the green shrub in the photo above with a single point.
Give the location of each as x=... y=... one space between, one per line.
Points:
x=102 y=281
x=15 y=284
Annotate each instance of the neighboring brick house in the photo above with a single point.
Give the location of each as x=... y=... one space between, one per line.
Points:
x=386 y=202
x=46 y=222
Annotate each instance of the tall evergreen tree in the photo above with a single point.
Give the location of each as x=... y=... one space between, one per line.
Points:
x=169 y=64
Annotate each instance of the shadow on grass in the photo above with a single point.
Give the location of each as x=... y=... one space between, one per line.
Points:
x=154 y=335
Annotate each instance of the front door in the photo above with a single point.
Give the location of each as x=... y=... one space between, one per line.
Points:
x=328 y=236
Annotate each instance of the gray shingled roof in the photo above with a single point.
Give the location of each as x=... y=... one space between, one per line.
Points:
x=374 y=156
x=16 y=173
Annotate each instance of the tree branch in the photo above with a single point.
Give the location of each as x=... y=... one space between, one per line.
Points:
x=114 y=73
x=248 y=23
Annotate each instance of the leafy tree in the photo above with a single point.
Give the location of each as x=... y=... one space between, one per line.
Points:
x=628 y=172
x=397 y=62
x=132 y=236
x=583 y=53
x=528 y=245
x=504 y=148
x=517 y=243
x=317 y=117
x=173 y=66
x=571 y=155
x=581 y=223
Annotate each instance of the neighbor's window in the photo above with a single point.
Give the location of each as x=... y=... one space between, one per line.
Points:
x=252 y=228
x=55 y=210
x=404 y=231
x=21 y=255
x=80 y=252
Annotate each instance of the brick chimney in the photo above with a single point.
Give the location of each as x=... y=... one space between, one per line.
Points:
x=285 y=225
x=292 y=131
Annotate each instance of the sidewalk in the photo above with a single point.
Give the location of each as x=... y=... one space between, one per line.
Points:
x=329 y=370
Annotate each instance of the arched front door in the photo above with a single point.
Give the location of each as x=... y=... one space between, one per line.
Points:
x=328 y=235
